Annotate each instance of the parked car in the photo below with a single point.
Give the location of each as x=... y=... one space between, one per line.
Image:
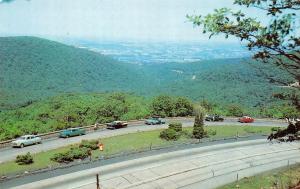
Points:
x=213 y=118
x=71 y=132
x=116 y=125
x=155 y=121
x=26 y=140
x=246 y=119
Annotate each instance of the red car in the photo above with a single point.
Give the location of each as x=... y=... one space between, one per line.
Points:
x=246 y=119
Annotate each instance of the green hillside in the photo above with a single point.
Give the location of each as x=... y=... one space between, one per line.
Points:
x=32 y=69
x=69 y=110
x=49 y=86
x=226 y=81
x=72 y=110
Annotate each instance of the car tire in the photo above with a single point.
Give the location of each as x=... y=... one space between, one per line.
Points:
x=22 y=145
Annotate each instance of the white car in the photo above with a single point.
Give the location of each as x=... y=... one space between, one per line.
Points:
x=26 y=141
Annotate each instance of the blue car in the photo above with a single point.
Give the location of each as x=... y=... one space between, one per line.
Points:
x=155 y=121
x=71 y=132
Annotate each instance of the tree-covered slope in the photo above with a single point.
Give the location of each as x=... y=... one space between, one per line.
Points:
x=62 y=111
x=32 y=68
x=224 y=81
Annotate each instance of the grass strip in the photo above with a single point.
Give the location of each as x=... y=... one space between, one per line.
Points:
x=128 y=143
x=279 y=178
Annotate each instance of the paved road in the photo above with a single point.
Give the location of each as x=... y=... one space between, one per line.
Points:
x=204 y=167
x=7 y=154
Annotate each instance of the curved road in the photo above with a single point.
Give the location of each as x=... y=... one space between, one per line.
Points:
x=205 y=167
x=7 y=154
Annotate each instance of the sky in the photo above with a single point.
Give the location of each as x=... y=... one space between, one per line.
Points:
x=150 y=20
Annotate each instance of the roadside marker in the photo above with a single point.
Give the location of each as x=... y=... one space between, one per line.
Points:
x=97 y=178
x=101 y=146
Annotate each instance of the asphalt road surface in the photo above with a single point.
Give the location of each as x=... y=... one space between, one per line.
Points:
x=9 y=153
x=204 y=167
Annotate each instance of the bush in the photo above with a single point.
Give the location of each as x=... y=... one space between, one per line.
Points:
x=79 y=153
x=169 y=134
x=24 y=159
x=64 y=157
x=90 y=144
x=176 y=126
x=71 y=155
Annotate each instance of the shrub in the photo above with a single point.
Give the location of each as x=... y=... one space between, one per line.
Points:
x=24 y=159
x=169 y=134
x=90 y=144
x=176 y=126
x=71 y=155
x=64 y=157
x=79 y=153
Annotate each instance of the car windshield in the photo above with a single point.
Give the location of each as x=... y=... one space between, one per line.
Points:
x=22 y=138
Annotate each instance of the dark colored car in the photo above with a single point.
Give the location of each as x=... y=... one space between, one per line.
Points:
x=155 y=121
x=214 y=118
x=246 y=119
x=116 y=125
x=71 y=132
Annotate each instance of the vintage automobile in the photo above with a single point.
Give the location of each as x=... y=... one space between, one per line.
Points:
x=155 y=121
x=213 y=118
x=71 y=132
x=116 y=125
x=246 y=119
x=26 y=140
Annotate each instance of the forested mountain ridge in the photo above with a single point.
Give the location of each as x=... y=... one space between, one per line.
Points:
x=33 y=68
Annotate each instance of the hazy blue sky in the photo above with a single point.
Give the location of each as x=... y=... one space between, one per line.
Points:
x=107 y=19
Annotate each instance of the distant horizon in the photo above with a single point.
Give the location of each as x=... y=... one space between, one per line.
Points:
x=111 y=20
x=63 y=39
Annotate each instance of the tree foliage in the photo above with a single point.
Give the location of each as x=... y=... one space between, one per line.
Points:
x=165 y=105
x=235 y=110
x=277 y=42
x=198 y=130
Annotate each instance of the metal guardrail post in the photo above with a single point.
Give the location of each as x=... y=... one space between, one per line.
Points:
x=97 y=181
